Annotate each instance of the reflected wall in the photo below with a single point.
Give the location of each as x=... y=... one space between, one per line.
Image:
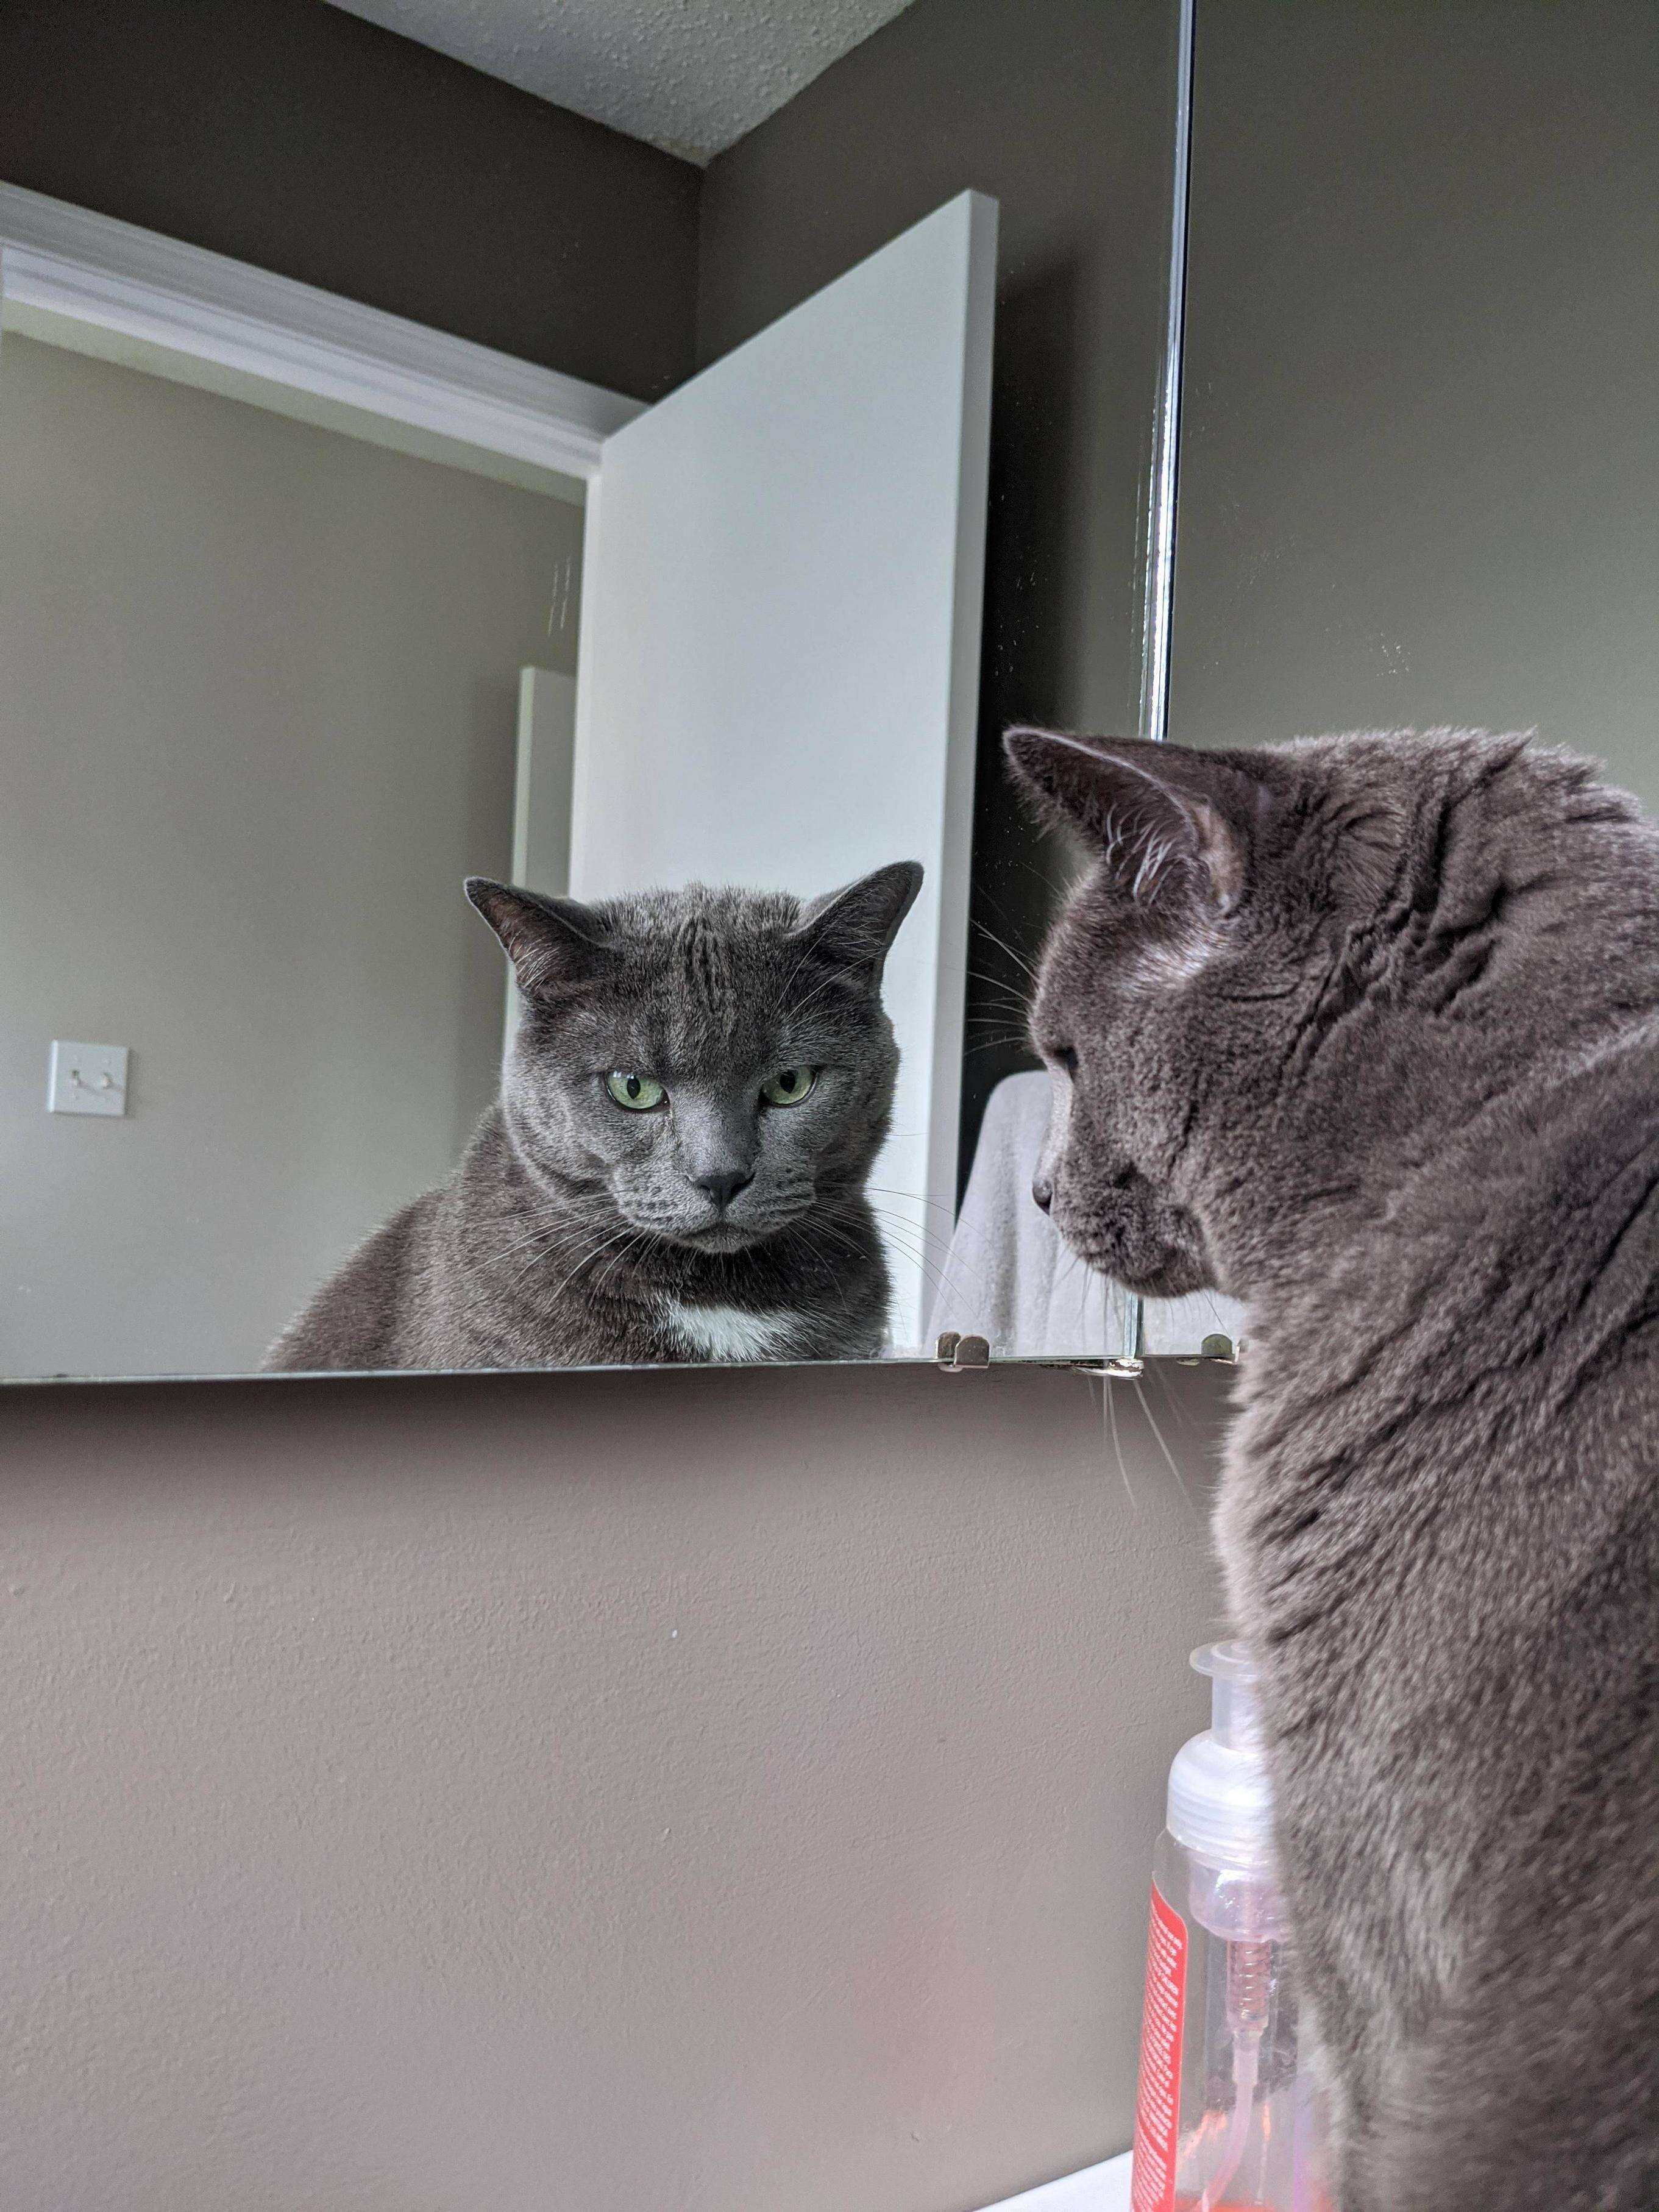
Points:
x=1419 y=475
x=257 y=684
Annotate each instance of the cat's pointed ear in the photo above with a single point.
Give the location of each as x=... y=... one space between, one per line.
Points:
x=1167 y=820
x=556 y=946
x=854 y=927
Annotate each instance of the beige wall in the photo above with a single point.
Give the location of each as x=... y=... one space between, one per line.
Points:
x=733 y=1791
x=257 y=716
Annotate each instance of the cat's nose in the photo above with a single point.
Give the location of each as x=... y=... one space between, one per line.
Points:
x=725 y=1183
x=1042 y=1191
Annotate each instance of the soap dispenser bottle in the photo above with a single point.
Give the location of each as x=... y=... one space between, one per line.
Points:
x=1227 y=2117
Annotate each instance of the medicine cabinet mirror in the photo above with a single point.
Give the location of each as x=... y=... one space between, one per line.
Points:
x=309 y=614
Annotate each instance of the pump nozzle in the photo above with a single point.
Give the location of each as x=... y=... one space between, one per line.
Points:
x=1235 y=1708
x=1220 y=1803
x=1221 y=1807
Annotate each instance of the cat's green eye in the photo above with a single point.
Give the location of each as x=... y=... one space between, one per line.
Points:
x=788 y=1086
x=639 y=1093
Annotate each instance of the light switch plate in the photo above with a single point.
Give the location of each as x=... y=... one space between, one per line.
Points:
x=87 y=1078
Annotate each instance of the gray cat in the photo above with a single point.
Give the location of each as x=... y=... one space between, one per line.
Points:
x=675 y=1170
x=1365 y=1032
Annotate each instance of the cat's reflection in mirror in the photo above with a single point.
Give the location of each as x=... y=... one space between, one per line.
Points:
x=675 y=1168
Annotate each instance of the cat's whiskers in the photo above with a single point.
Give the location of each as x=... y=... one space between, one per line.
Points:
x=884 y=1190
x=623 y=1238
x=888 y=1213
x=953 y=1264
x=1173 y=1403
x=1019 y=1016
x=1012 y=1036
x=898 y=1232
x=539 y=1242
x=1000 y=985
x=1002 y=944
x=641 y=1237
x=551 y=1228
x=543 y=1217
x=589 y=1253
x=808 y=1235
x=822 y=1226
x=927 y=1236
x=1111 y=1409
x=1167 y=1455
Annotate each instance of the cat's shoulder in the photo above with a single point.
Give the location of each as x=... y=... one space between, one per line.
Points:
x=352 y=1320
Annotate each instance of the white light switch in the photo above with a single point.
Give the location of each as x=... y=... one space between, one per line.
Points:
x=87 y=1079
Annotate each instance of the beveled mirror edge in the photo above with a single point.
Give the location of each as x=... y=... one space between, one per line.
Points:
x=1121 y=1367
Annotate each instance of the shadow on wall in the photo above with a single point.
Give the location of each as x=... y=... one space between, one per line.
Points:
x=1025 y=674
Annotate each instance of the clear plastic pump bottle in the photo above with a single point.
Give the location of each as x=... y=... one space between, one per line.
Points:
x=1227 y=2116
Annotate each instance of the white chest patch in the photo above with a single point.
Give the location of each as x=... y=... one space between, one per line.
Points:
x=727 y=1332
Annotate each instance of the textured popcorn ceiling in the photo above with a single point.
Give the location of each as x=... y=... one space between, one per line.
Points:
x=688 y=75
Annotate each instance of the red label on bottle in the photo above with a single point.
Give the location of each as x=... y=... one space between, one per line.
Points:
x=1157 y=2102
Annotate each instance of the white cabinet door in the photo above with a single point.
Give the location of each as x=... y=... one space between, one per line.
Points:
x=778 y=666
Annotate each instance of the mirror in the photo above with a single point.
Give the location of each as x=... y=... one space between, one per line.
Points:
x=494 y=872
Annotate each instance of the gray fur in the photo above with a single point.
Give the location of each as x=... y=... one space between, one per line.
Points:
x=1367 y=1032
x=575 y=1230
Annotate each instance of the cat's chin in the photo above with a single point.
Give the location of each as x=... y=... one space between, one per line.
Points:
x=720 y=1237
x=1174 y=1277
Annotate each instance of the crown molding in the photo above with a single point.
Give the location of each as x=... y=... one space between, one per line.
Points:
x=106 y=287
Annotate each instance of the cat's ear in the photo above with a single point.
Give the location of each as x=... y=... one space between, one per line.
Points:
x=854 y=927
x=556 y=946
x=1167 y=820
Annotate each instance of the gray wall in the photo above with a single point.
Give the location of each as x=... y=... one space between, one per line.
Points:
x=1420 y=473
x=1063 y=110
x=295 y=137
x=258 y=700
x=584 y=1793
